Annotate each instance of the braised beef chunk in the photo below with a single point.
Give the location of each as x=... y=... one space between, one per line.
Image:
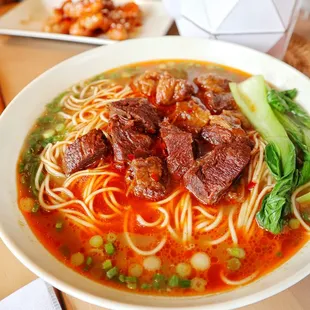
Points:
x=147 y=82
x=190 y=116
x=171 y=90
x=85 y=151
x=128 y=143
x=179 y=147
x=228 y=122
x=132 y=121
x=201 y=147
x=237 y=115
x=147 y=178
x=137 y=109
x=164 y=87
x=215 y=134
x=222 y=129
x=216 y=103
x=212 y=175
x=212 y=82
x=214 y=92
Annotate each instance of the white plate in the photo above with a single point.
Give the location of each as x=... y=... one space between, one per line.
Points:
x=28 y=18
x=21 y=114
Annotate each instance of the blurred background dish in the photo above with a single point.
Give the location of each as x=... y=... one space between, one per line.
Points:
x=30 y=18
x=93 y=18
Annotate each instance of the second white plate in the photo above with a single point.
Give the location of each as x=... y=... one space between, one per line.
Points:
x=28 y=18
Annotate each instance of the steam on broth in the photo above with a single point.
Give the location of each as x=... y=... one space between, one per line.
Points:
x=149 y=178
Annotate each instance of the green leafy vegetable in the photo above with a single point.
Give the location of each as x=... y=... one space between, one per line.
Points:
x=290 y=93
x=299 y=112
x=300 y=135
x=286 y=127
x=276 y=101
x=280 y=155
x=251 y=97
x=304 y=173
x=283 y=101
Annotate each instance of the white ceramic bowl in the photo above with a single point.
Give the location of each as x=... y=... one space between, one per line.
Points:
x=18 y=118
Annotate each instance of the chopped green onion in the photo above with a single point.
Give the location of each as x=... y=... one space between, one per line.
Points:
x=26 y=204
x=131 y=280
x=158 y=281
x=198 y=284
x=293 y=223
x=77 y=259
x=135 y=270
x=236 y=252
x=233 y=264
x=89 y=261
x=279 y=254
x=45 y=120
x=59 y=225
x=173 y=281
x=21 y=167
x=145 y=286
x=112 y=272
x=111 y=237
x=106 y=265
x=109 y=248
x=23 y=179
x=152 y=263
x=35 y=208
x=60 y=127
x=48 y=133
x=183 y=269
x=159 y=277
x=184 y=283
x=132 y=286
x=200 y=261
x=122 y=278
x=304 y=198
x=96 y=241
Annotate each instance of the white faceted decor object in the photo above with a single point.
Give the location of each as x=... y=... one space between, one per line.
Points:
x=265 y=25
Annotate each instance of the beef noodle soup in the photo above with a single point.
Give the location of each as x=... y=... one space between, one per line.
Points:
x=150 y=178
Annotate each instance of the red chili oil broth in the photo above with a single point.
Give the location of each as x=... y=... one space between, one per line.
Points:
x=264 y=251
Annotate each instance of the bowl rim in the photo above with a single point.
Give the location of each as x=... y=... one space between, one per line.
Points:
x=93 y=299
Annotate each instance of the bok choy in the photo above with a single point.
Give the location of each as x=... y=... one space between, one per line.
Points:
x=295 y=123
x=280 y=154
